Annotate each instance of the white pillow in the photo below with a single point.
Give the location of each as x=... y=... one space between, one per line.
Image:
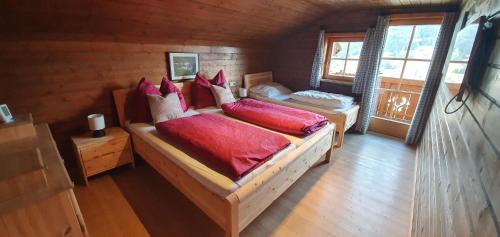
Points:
x=269 y=89
x=165 y=108
x=222 y=95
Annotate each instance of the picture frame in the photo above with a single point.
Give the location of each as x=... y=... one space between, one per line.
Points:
x=5 y=114
x=182 y=65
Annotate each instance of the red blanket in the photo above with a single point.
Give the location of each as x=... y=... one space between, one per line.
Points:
x=277 y=117
x=229 y=147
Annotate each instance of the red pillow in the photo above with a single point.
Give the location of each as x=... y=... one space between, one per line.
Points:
x=168 y=87
x=201 y=94
x=141 y=112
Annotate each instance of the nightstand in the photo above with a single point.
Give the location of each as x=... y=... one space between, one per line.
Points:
x=96 y=155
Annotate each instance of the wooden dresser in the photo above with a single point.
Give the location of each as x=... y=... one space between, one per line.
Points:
x=36 y=196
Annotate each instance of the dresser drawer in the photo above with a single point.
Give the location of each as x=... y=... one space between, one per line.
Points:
x=105 y=148
x=107 y=161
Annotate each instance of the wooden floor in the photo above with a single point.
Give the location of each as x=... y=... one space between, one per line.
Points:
x=365 y=191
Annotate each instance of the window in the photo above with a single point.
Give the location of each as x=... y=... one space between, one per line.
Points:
x=408 y=51
x=342 y=55
x=406 y=59
x=460 y=55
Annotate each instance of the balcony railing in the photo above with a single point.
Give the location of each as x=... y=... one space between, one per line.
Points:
x=398 y=98
x=396 y=105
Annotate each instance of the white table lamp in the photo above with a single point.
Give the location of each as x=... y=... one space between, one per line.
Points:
x=97 y=125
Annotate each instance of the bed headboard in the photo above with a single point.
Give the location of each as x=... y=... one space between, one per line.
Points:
x=254 y=79
x=123 y=98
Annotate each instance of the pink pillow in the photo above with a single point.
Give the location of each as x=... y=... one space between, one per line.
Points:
x=168 y=87
x=201 y=94
x=141 y=112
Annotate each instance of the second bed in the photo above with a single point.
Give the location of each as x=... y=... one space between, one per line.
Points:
x=344 y=118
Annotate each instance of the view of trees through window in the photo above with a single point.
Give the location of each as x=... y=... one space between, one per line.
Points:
x=344 y=58
x=408 y=51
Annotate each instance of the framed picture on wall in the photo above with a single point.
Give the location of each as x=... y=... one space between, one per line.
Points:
x=183 y=65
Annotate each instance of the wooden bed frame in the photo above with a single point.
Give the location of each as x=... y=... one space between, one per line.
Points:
x=343 y=120
x=234 y=212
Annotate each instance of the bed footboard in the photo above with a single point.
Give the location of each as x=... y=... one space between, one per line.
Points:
x=213 y=205
x=258 y=194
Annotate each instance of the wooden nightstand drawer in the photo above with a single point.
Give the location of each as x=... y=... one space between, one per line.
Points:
x=102 y=149
x=107 y=161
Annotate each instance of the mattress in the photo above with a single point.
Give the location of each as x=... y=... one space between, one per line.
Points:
x=212 y=180
x=323 y=99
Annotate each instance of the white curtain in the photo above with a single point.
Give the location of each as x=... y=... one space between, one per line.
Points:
x=366 y=80
x=433 y=79
x=318 y=60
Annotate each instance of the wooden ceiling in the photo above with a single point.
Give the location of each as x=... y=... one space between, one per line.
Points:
x=184 y=20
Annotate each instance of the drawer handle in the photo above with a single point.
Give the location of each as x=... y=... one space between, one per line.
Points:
x=109 y=153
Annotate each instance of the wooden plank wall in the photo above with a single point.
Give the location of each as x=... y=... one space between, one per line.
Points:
x=457 y=190
x=60 y=82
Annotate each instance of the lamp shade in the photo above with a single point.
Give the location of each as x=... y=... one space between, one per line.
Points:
x=96 y=122
x=243 y=92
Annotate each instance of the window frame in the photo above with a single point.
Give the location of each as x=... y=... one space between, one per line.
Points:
x=428 y=18
x=414 y=20
x=339 y=37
